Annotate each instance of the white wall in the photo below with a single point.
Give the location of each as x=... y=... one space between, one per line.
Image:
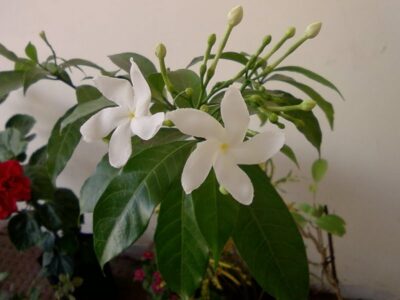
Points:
x=357 y=49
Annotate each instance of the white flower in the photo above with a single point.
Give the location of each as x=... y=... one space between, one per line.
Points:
x=130 y=117
x=235 y=15
x=224 y=148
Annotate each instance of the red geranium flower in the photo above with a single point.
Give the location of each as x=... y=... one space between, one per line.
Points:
x=139 y=275
x=14 y=186
x=148 y=255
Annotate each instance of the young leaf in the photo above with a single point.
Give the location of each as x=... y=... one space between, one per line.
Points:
x=319 y=168
x=124 y=209
x=10 y=81
x=23 y=123
x=286 y=150
x=87 y=93
x=31 y=52
x=8 y=54
x=182 y=79
x=24 y=231
x=215 y=214
x=269 y=242
x=332 y=224
x=182 y=253
x=122 y=60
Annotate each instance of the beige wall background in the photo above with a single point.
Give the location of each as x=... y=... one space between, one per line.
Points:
x=358 y=49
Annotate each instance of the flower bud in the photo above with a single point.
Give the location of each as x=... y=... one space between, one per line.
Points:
x=168 y=123
x=223 y=191
x=313 y=29
x=273 y=117
x=235 y=15
x=307 y=105
x=211 y=39
x=204 y=108
x=290 y=32
x=267 y=40
x=189 y=92
x=161 y=51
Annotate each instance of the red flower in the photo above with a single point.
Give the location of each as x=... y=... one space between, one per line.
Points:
x=139 y=275
x=158 y=283
x=148 y=255
x=14 y=186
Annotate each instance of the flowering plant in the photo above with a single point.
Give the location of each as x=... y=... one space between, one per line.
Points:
x=178 y=144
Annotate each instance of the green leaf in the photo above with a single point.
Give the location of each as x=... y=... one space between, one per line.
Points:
x=326 y=107
x=32 y=76
x=66 y=205
x=312 y=75
x=182 y=79
x=269 y=242
x=182 y=253
x=8 y=54
x=232 y=56
x=12 y=144
x=332 y=224
x=96 y=184
x=23 y=123
x=286 y=150
x=87 y=93
x=216 y=214
x=125 y=208
x=41 y=185
x=122 y=60
x=47 y=216
x=318 y=169
x=31 y=52
x=62 y=145
x=38 y=157
x=299 y=219
x=24 y=231
x=55 y=263
x=10 y=81
x=84 y=110
x=76 y=62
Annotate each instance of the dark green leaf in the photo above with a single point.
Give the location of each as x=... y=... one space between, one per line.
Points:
x=31 y=52
x=66 y=205
x=215 y=213
x=332 y=224
x=125 y=208
x=41 y=185
x=122 y=60
x=319 y=168
x=10 y=81
x=326 y=107
x=83 y=111
x=76 y=62
x=310 y=127
x=286 y=150
x=8 y=54
x=39 y=157
x=182 y=253
x=32 y=76
x=269 y=242
x=12 y=144
x=312 y=75
x=24 y=231
x=182 y=79
x=62 y=145
x=87 y=93
x=47 y=216
x=233 y=56
x=23 y=123
x=55 y=263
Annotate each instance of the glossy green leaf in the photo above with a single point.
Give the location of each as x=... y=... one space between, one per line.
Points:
x=87 y=93
x=232 y=56
x=39 y=156
x=122 y=60
x=326 y=107
x=23 y=123
x=12 y=144
x=66 y=205
x=332 y=224
x=96 y=184
x=31 y=52
x=84 y=110
x=215 y=213
x=124 y=210
x=310 y=74
x=41 y=185
x=288 y=152
x=181 y=80
x=182 y=253
x=318 y=169
x=8 y=54
x=269 y=242
x=10 y=81
x=62 y=145
x=47 y=216
x=24 y=231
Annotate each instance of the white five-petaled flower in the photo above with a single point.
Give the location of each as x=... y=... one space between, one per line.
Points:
x=130 y=117
x=224 y=148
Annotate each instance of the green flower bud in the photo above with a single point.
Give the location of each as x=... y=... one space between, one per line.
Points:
x=267 y=39
x=189 y=92
x=168 y=123
x=204 y=108
x=235 y=15
x=161 y=51
x=281 y=125
x=212 y=39
x=312 y=30
x=223 y=191
x=273 y=117
x=42 y=34
x=202 y=70
x=290 y=32
x=307 y=105
x=210 y=72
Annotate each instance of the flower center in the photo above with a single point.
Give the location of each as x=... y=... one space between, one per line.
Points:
x=224 y=147
x=131 y=115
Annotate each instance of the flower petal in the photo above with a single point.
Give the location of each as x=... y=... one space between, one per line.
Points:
x=146 y=127
x=258 y=149
x=235 y=115
x=117 y=90
x=141 y=90
x=233 y=179
x=198 y=165
x=196 y=123
x=120 y=148
x=102 y=123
